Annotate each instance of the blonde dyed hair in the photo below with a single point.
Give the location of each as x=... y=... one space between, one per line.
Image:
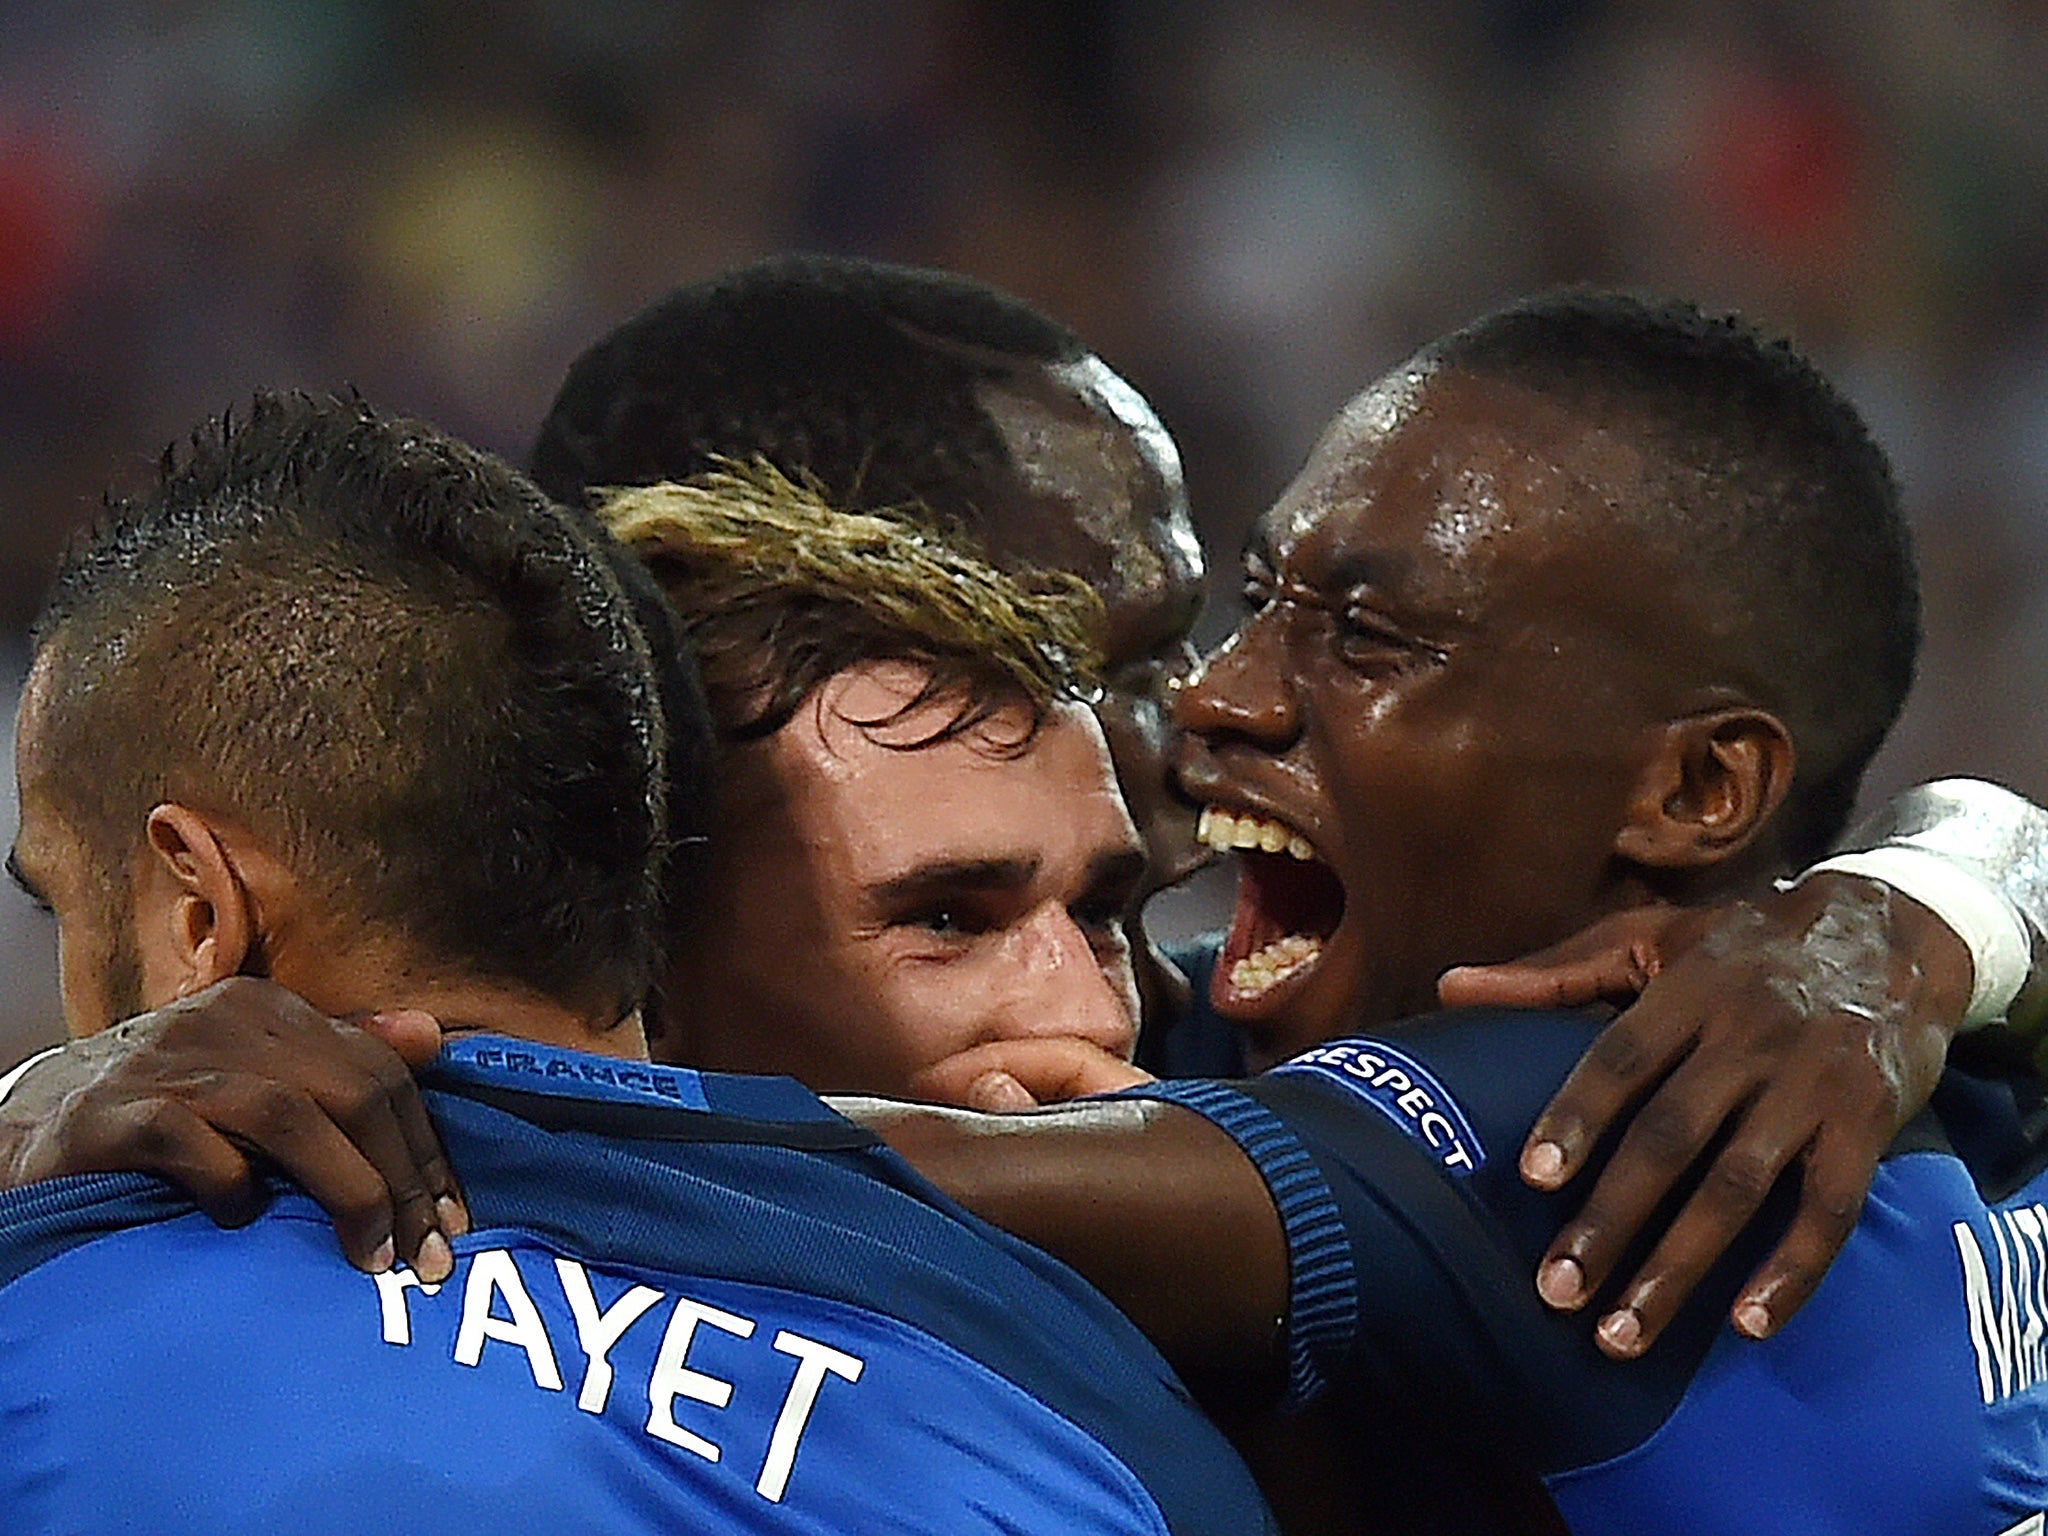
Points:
x=778 y=591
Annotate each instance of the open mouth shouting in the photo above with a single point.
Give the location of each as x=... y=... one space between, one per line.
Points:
x=1288 y=904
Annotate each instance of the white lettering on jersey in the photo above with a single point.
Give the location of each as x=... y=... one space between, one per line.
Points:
x=392 y=1285
x=672 y=1378
x=598 y=1331
x=492 y=1273
x=494 y=1277
x=1403 y=1090
x=813 y=1361
x=2008 y=1316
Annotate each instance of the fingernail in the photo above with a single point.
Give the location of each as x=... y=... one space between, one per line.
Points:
x=436 y=1260
x=454 y=1220
x=1561 y=1283
x=1753 y=1318
x=999 y=1093
x=383 y=1256
x=1621 y=1331
x=1543 y=1163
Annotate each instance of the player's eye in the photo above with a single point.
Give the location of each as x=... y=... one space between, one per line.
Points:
x=1098 y=915
x=1364 y=639
x=947 y=919
x=1101 y=914
x=1111 y=897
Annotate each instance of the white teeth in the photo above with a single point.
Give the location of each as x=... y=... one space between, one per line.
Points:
x=1268 y=967
x=1221 y=830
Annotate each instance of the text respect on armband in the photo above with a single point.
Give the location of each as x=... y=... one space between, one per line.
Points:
x=1401 y=1088
x=496 y=1294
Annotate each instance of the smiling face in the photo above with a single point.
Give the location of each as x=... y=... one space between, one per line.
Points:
x=875 y=906
x=1425 y=733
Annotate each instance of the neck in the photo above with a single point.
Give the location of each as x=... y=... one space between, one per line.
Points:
x=1748 y=874
x=524 y=1017
x=466 y=1006
x=369 y=973
x=288 y=929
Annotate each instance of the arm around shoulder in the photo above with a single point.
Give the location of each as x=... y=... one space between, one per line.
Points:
x=1151 y=1203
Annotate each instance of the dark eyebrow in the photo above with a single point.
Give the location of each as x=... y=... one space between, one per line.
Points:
x=952 y=875
x=1117 y=870
x=1382 y=570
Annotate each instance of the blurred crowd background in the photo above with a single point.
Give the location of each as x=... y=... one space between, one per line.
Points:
x=1249 y=206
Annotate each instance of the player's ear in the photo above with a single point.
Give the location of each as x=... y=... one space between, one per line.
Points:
x=1709 y=783
x=196 y=919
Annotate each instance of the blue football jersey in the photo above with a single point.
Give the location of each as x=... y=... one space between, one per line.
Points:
x=1199 y=1042
x=1910 y=1395
x=690 y=1302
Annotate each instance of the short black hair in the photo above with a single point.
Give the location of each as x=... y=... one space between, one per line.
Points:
x=690 y=735
x=856 y=377
x=388 y=653
x=1765 y=490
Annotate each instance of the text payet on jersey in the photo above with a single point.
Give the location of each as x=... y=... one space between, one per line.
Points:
x=498 y=1306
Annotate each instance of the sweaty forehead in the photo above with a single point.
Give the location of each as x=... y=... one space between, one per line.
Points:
x=877 y=799
x=866 y=709
x=1097 y=486
x=1433 y=484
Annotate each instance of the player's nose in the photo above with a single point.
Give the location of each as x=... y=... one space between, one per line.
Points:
x=1240 y=689
x=1065 y=984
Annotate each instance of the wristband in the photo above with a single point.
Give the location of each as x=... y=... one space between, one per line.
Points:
x=1978 y=913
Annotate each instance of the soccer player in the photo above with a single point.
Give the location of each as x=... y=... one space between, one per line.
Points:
x=892 y=387
x=919 y=395
x=881 y=383
x=1638 y=552
x=919 y=844
x=346 y=705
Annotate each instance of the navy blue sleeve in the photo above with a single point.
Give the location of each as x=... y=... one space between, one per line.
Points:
x=1408 y=1146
